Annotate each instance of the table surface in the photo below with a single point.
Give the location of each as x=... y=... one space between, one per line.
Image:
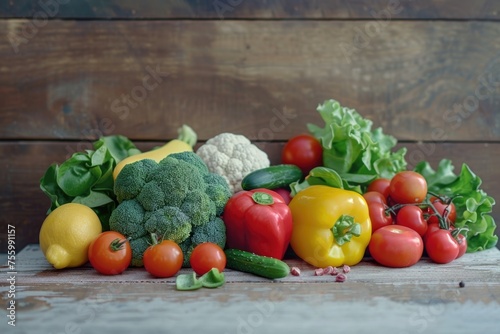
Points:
x=424 y=297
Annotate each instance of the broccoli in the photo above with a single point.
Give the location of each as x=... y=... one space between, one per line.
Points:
x=176 y=199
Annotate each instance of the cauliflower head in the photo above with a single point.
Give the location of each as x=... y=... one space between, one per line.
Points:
x=232 y=156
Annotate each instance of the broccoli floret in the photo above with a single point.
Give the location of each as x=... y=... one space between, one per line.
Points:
x=199 y=207
x=169 y=223
x=132 y=179
x=138 y=247
x=192 y=159
x=176 y=199
x=151 y=196
x=218 y=191
x=176 y=178
x=128 y=219
x=213 y=231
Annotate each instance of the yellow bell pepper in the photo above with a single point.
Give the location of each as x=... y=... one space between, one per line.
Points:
x=331 y=226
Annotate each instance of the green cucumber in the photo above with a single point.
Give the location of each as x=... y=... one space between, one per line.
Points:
x=272 y=177
x=259 y=265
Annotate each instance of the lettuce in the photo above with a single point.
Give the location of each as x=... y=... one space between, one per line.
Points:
x=87 y=177
x=472 y=203
x=351 y=147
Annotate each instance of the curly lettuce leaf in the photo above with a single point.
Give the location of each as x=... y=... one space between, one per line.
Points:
x=350 y=146
x=472 y=203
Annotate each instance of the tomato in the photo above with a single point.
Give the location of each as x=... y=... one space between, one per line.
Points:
x=396 y=246
x=163 y=259
x=374 y=196
x=378 y=216
x=441 y=247
x=303 y=151
x=380 y=185
x=431 y=228
x=447 y=211
x=206 y=256
x=110 y=253
x=413 y=217
x=408 y=187
x=462 y=245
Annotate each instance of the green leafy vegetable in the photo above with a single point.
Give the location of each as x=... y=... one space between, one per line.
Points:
x=329 y=177
x=87 y=177
x=352 y=148
x=473 y=205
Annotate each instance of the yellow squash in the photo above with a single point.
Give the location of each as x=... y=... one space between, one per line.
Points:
x=185 y=142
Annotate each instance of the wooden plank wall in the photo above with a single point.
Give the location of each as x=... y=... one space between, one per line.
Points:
x=427 y=71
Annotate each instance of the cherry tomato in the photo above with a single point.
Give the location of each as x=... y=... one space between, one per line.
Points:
x=206 y=256
x=413 y=217
x=163 y=259
x=447 y=211
x=462 y=245
x=378 y=216
x=396 y=246
x=374 y=196
x=304 y=151
x=441 y=247
x=380 y=185
x=408 y=187
x=431 y=228
x=110 y=253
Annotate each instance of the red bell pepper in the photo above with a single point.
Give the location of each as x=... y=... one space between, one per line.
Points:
x=258 y=221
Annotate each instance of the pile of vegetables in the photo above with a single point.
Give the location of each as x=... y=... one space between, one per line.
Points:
x=341 y=192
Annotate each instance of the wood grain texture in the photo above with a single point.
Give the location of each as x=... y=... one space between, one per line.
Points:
x=24 y=205
x=260 y=9
x=435 y=81
x=425 y=296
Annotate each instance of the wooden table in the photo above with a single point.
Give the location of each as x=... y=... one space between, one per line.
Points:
x=425 y=297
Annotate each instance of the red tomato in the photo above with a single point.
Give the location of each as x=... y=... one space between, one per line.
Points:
x=462 y=245
x=378 y=216
x=374 y=196
x=441 y=246
x=381 y=186
x=413 y=217
x=206 y=256
x=110 y=253
x=408 y=187
x=431 y=228
x=303 y=151
x=163 y=259
x=447 y=211
x=396 y=246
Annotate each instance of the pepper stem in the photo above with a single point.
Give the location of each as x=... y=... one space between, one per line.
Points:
x=344 y=229
x=262 y=198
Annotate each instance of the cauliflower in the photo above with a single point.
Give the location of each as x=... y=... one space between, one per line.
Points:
x=232 y=156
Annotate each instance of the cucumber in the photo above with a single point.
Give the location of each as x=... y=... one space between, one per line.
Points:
x=272 y=177
x=263 y=266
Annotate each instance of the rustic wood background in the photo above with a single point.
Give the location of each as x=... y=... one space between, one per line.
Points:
x=427 y=71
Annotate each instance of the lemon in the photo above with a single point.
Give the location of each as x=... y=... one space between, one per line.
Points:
x=66 y=234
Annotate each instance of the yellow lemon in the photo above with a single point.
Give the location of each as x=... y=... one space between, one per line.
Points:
x=66 y=234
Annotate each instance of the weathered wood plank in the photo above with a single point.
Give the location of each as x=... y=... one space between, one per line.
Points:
x=422 y=297
x=476 y=268
x=23 y=204
x=260 y=9
x=79 y=79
